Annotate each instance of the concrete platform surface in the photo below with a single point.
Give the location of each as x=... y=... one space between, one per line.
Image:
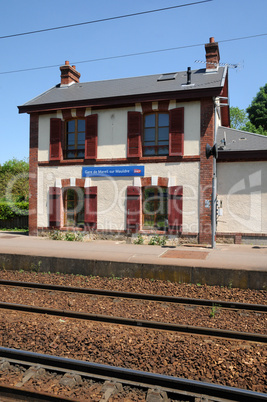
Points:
x=223 y=256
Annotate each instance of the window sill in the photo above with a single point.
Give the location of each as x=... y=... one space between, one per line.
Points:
x=154 y=157
x=72 y=160
x=72 y=229
x=153 y=231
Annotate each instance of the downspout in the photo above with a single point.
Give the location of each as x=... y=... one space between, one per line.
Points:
x=214 y=176
x=214 y=183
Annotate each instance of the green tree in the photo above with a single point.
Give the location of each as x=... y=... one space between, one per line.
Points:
x=252 y=129
x=240 y=121
x=14 y=180
x=257 y=111
x=238 y=118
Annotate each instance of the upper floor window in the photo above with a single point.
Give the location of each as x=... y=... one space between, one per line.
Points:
x=156 y=134
x=75 y=139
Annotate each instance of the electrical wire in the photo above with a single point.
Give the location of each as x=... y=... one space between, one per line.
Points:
x=132 y=54
x=104 y=19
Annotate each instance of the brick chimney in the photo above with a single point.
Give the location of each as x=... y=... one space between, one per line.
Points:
x=212 y=55
x=69 y=74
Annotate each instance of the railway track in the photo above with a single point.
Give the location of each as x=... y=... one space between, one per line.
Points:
x=45 y=318
x=139 y=296
x=113 y=381
x=149 y=324
x=251 y=337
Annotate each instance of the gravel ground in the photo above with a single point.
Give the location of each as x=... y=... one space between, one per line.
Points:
x=142 y=286
x=232 y=363
x=212 y=317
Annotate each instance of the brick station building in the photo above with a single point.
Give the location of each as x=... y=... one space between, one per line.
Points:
x=127 y=155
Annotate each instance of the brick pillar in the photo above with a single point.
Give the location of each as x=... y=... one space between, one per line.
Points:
x=206 y=171
x=33 y=162
x=238 y=238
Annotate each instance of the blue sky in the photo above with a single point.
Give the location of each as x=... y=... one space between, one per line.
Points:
x=191 y=25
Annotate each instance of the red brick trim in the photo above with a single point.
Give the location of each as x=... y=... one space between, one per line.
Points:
x=146 y=107
x=206 y=171
x=80 y=182
x=163 y=181
x=65 y=182
x=145 y=181
x=122 y=161
x=163 y=105
x=62 y=229
x=66 y=113
x=238 y=237
x=33 y=163
x=80 y=112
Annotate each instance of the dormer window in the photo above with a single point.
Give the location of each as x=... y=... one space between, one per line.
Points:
x=75 y=139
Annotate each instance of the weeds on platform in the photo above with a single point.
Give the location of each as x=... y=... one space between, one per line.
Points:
x=68 y=236
x=157 y=240
x=139 y=239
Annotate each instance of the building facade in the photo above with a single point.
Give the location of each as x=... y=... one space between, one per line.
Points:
x=242 y=186
x=127 y=155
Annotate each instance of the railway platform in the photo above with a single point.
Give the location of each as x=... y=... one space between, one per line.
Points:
x=243 y=266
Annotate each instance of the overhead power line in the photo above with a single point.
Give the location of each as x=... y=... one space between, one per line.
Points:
x=132 y=54
x=104 y=19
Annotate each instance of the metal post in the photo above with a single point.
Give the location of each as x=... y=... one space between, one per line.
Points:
x=213 y=210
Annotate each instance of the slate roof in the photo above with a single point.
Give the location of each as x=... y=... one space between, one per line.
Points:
x=237 y=140
x=92 y=92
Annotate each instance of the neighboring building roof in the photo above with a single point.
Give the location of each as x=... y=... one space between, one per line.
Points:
x=237 y=144
x=129 y=89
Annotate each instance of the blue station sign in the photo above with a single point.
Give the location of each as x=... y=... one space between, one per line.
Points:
x=103 y=171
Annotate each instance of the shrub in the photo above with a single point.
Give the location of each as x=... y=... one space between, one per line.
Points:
x=11 y=210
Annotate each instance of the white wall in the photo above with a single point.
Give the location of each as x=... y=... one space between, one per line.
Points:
x=111 y=196
x=242 y=187
x=112 y=133
x=192 y=112
x=112 y=130
x=44 y=136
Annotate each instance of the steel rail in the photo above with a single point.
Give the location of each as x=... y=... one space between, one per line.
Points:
x=188 y=329
x=141 y=378
x=139 y=296
x=22 y=394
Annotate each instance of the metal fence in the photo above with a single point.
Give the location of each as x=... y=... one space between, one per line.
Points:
x=20 y=222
